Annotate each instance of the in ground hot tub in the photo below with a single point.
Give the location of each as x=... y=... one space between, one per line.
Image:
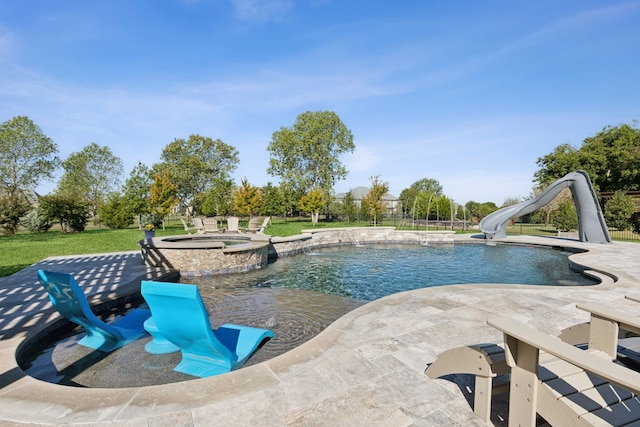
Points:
x=206 y=254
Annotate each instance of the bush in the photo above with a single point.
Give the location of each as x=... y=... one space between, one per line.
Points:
x=35 y=222
x=618 y=211
x=566 y=217
x=116 y=213
x=635 y=222
x=12 y=208
x=69 y=211
x=154 y=219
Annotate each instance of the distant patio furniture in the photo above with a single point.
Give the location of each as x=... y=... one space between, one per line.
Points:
x=210 y=225
x=198 y=224
x=69 y=300
x=181 y=317
x=232 y=224
x=255 y=226
x=187 y=228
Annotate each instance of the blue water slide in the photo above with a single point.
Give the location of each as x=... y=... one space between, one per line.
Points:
x=591 y=223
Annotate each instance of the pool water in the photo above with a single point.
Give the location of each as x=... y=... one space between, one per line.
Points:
x=373 y=271
x=299 y=296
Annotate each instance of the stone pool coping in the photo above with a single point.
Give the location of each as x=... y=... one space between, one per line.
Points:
x=365 y=368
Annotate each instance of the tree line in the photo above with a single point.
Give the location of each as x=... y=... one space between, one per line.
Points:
x=195 y=173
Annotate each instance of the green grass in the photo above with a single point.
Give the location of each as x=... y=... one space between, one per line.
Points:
x=24 y=249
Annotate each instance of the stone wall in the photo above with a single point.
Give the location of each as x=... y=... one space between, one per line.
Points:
x=199 y=262
x=204 y=258
x=310 y=239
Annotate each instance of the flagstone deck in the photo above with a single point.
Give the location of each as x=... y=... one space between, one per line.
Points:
x=364 y=369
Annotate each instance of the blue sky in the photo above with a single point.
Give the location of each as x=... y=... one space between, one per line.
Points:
x=470 y=93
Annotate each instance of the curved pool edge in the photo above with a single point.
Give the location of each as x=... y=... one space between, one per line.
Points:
x=372 y=357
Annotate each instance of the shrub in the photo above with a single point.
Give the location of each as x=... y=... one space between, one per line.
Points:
x=35 y=222
x=154 y=219
x=12 y=208
x=566 y=217
x=68 y=210
x=618 y=211
x=116 y=213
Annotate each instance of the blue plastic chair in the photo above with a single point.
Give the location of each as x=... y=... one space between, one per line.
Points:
x=67 y=297
x=181 y=317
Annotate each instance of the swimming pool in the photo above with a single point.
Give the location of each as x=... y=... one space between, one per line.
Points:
x=370 y=272
x=298 y=296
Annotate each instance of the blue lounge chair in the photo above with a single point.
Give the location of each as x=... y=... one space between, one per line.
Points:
x=180 y=316
x=67 y=297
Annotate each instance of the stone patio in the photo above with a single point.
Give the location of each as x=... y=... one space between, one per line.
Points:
x=364 y=369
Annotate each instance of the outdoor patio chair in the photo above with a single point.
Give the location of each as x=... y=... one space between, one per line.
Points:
x=181 y=317
x=610 y=333
x=186 y=226
x=69 y=300
x=210 y=225
x=198 y=224
x=565 y=385
x=254 y=225
x=265 y=224
x=232 y=224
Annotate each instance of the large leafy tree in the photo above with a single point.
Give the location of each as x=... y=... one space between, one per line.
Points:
x=306 y=156
x=92 y=174
x=416 y=199
x=196 y=163
x=27 y=156
x=611 y=158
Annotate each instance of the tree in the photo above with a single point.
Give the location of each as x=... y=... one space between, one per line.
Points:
x=196 y=163
x=374 y=201
x=115 y=212
x=35 y=222
x=273 y=200
x=306 y=156
x=12 y=208
x=565 y=218
x=163 y=193
x=217 y=200
x=137 y=189
x=618 y=211
x=611 y=158
x=247 y=199
x=70 y=211
x=27 y=156
x=313 y=202
x=480 y=210
x=417 y=197
x=92 y=173
x=349 y=207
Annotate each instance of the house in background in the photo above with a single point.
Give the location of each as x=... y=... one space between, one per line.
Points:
x=393 y=203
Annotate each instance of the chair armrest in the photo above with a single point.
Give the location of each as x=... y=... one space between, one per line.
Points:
x=605 y=326
x=516 y=332
x=626 y=321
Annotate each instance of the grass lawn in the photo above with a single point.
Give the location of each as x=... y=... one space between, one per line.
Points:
x=24 y=249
